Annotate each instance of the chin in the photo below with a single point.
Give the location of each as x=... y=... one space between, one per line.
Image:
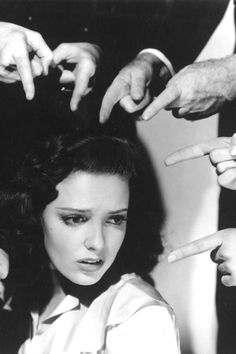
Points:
x=86 y=280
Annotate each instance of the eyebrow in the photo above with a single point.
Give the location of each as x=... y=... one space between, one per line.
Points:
x=118 y=211
x=87 y=210
x=73 y=209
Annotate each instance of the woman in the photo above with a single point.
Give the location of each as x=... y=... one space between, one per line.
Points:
x=79 y=214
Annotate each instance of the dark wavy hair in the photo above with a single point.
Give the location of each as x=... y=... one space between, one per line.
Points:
x=24 y=199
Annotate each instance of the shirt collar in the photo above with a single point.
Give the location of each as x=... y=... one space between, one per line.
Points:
x=114 y=306
x=67 y=304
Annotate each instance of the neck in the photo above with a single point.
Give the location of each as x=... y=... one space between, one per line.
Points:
x=56 y=298
x=54 y=286
x=88 y=293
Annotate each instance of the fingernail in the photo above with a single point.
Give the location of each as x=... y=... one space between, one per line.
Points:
x=29 y=95
x=145 y=116
x=171 y=160
x=103 y=118
x=167 y=162
x=3 y=275
x=73 y=106
x=171 y=258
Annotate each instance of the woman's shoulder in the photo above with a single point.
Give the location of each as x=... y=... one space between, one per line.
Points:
x=140 y=320
x=132 y=294
x=126 y=310
x=133 y=286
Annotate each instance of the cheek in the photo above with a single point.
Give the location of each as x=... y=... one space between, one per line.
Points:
x=116 y=242
x=55 y=241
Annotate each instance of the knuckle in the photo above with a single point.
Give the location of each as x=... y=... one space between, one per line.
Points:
x=49 y=56
x=89 y=63
x=124 y=74
x=4 y=61
x=16 y=34
x=222 y=254
x=37 y=36
x=225 y=140
x=62 y=46
x=128 y=108
x=17 y=38
x=213 y=155
x=139 y=71
x=220 y=167
x=229 y=233
x=223 y=183
x=228 y=280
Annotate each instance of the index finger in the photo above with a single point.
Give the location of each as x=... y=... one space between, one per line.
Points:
x=199 y=246
x=197 y=150
x=40 y=47
x=169 y=95
x=24 y=68
x=82 y=77
x=118 y=89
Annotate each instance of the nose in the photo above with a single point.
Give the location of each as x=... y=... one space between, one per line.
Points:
x=95 y=237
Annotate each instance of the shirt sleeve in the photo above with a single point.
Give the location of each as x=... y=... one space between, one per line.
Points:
x=160 y=56
x=150 y=330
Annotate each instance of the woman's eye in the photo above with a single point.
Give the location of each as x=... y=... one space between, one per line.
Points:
x=74 y=219
x=117 y=219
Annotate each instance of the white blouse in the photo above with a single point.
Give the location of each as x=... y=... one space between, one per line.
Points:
x=129 y=318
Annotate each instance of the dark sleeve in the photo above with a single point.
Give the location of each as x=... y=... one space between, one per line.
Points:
x=192 y=24
x=178 y=28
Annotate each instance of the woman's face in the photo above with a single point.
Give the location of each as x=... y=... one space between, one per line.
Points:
x=84 y=227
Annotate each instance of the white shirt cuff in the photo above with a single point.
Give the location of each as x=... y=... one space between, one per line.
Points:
x=162 y=57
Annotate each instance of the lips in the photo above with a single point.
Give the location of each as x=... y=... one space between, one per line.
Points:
x=90 y=264
x=90 y=261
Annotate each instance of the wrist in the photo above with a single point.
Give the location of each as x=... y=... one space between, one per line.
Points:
x=161 y=57
x=229 y=65
x=156 y=66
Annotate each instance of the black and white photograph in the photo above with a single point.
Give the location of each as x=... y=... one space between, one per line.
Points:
x=117 y=177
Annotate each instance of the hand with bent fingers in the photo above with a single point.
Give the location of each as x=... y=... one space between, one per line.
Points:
x=197 y=91
x=4 y=269
x=221 y=153
x=131 y=87
x=16 y=43
x=4 y=264
x=222 y=245
x=86 y=58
